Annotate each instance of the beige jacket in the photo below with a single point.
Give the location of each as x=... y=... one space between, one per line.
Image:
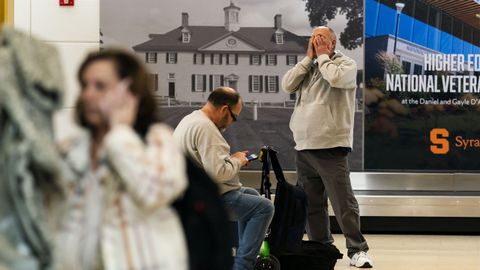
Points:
x=325 y=107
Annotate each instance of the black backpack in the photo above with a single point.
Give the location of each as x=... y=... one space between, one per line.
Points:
x=288 y=223
x=205 y=222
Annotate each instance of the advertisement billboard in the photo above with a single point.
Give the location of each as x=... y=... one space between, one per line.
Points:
x=422 y=94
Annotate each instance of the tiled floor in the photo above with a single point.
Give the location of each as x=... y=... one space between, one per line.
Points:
x=418 y=252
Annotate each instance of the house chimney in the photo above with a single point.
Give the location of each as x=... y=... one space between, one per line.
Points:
x=278 y=21
x=184 y=19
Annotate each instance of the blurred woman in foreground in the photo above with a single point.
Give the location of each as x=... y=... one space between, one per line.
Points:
x=122 y=175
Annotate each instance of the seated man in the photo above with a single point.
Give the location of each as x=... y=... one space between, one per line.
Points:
x=199 y=134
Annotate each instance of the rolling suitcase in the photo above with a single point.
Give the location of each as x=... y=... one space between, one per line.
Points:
x=288 y=224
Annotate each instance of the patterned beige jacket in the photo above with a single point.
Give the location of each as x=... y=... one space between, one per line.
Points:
x=119 y=215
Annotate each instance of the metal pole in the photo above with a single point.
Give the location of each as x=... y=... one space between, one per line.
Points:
x=396 y=35
x=399 y=7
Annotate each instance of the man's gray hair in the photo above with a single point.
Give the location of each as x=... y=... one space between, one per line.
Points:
x=334 y=35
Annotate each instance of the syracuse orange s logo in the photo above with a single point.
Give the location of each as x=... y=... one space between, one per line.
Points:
x=438 y=138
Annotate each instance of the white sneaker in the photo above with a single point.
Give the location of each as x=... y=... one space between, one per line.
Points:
x=361 y=260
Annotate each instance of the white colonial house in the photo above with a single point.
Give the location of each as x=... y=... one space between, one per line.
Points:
x=190 y=61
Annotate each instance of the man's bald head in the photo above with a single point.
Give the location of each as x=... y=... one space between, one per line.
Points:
x=326 y=32
x=333 y=36
x=224 y=96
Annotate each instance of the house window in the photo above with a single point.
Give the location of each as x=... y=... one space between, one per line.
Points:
x=185 y=37
x=216 y=80
x=279 y=38
x=154 y=81
x=291 y=60
x=255 y=59
x=171 y=58
x=271 y=84
x=406 y=67
x=232 y=59
x=271 y=59
x=417 y=69
x=151 y=57
x=198 y=58
x=171 y=76
x=216 y=59
x=255 y=83
x=199 y=83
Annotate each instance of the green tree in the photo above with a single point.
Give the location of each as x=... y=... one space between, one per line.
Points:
x=321 y=11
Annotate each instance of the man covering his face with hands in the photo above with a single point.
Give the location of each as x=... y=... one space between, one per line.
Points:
x=322 y=126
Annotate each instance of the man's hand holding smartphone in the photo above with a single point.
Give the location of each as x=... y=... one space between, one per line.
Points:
x=252 y=157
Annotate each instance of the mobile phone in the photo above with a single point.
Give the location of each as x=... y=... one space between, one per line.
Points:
x=252 y=157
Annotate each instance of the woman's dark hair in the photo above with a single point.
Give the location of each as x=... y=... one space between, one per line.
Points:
x=128 y=66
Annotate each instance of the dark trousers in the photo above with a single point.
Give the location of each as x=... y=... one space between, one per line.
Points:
x=325 y=174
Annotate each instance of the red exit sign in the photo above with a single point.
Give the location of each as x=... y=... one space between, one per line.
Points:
x=67 y=2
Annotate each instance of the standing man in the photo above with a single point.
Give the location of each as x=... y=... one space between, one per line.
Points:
x=322 y=126
x=199 y=134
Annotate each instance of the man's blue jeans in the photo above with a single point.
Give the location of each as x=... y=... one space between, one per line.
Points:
x=253 y=214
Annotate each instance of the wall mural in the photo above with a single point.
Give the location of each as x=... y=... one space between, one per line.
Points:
x=193 y=47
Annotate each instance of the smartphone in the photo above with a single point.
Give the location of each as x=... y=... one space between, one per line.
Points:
x=252 y=157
